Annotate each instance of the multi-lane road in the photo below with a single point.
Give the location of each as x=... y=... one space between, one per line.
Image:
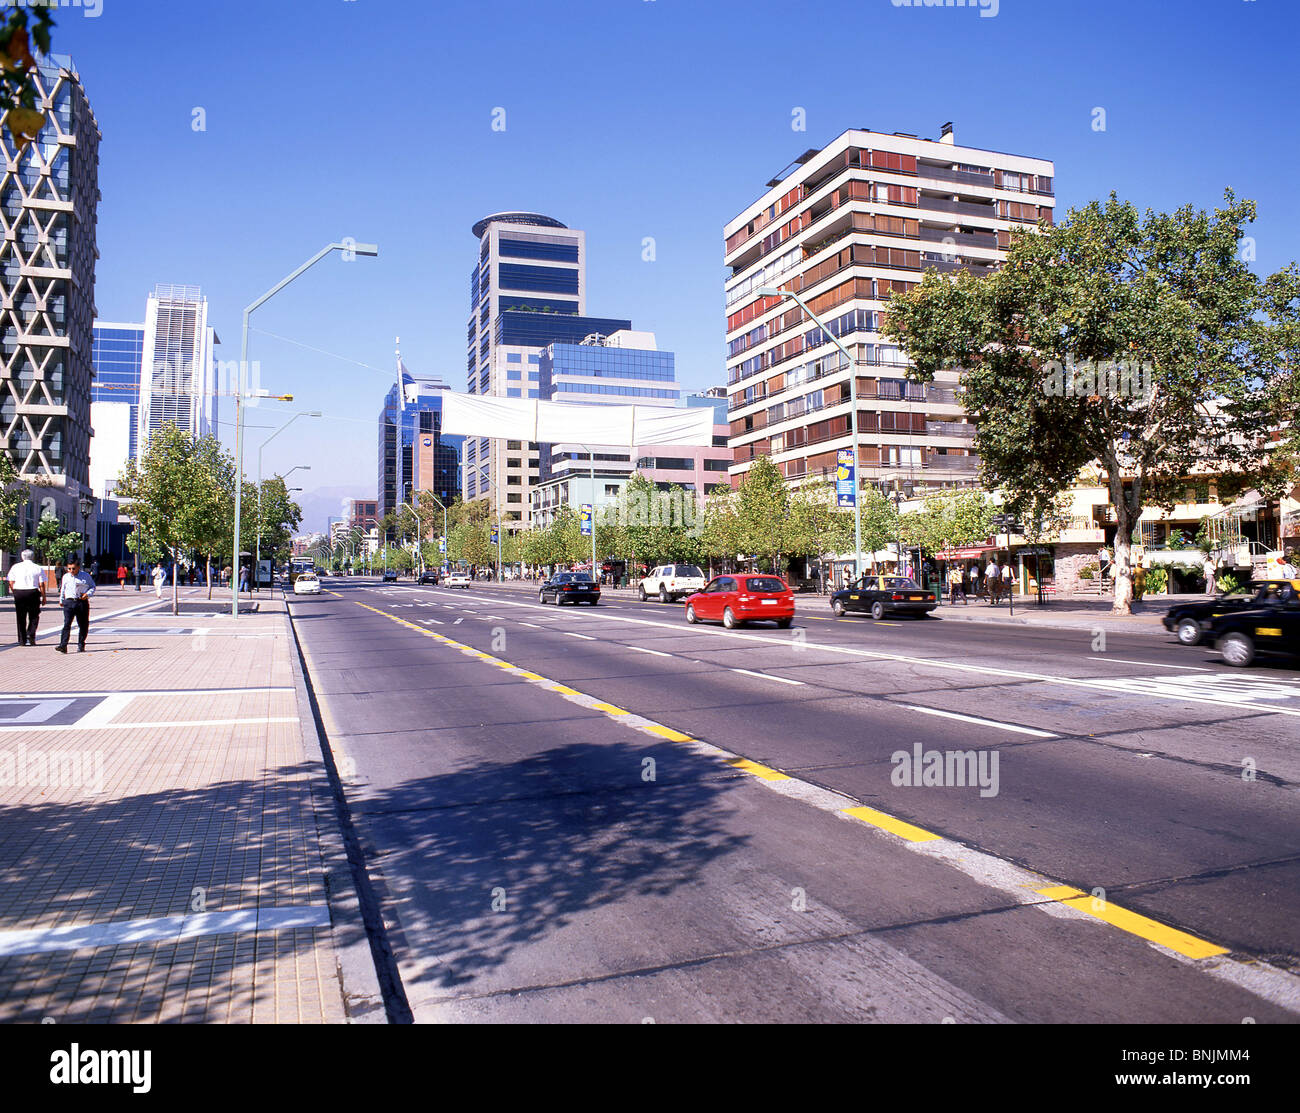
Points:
x=604 y=814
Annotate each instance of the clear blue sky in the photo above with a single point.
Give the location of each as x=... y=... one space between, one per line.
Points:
x=627 y=118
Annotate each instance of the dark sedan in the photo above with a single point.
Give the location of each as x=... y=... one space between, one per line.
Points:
x=1273 y=627
x=390 y=576
x=428 y=576
x=882 y=595
x=569 y=587
x=1190 y=622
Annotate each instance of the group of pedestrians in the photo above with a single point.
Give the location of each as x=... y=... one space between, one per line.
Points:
x=27 y=582
x=998 y=580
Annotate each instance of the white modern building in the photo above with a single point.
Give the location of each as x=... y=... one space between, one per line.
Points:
x=179 y=364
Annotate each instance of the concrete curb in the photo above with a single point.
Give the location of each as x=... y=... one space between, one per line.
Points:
x=363 y=999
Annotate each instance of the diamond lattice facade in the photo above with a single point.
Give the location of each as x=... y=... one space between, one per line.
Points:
x=48 y=201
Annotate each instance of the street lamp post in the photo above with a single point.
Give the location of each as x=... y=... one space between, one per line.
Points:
x=257 y=558
x=770 y=292
x=349 y=248
x=85 y=505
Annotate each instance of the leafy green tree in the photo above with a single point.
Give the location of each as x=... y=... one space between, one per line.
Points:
x=720 y=528
x=18 y=32
x=818 y=527
x=13 y=497
x=1143 y=343
x=880 y=525
x=53 y=542
x=948 y=520
x=763 y=513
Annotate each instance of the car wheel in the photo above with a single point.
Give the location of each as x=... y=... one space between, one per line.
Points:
x=837 y=608
x=1237 y=649
x=877 y=610
x=1189 y=632
x=690 y=614
x=541 y=597
x=640 y=592
x=784 y=623
x=729 y=619
x=663 y=594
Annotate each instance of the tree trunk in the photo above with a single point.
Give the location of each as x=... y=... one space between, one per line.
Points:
x=1125 y=520
x=176 y=587
x=209 y=576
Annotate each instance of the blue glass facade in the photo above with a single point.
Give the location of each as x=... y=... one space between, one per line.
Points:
x=420 y=417
x=117 y=353
x=536 y=330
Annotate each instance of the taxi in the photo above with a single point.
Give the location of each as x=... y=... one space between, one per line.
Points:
x=1272 y=627
x=882 y=595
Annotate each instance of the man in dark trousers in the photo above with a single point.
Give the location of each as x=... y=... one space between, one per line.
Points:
x=27 y=582
x=75 y=591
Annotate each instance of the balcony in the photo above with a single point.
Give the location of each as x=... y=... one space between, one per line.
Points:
x=965 y=208
x=949 y=266
x=947 y=174
x=949 y=429
x=961 y=465
x=960 y=239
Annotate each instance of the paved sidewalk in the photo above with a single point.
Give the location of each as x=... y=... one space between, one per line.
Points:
x=171 y=846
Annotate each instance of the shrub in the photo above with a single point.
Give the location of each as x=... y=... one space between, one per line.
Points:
x=1157 y=581
x=1089 y=572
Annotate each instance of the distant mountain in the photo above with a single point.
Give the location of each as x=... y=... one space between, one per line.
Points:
x=320 y=505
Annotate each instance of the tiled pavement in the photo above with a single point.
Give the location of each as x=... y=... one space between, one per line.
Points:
x=194 y=795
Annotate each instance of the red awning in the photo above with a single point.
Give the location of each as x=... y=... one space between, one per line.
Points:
x=973 y=552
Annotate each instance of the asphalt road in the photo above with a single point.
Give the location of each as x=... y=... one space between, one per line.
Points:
x=604 y=814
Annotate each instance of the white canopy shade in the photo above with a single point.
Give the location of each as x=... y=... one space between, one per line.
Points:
x=528 y=419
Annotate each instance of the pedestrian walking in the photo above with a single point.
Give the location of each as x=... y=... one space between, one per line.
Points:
x=121 y=576
x=955 y=585
x=992 y=579
x=75 y=590
x=1207 y=567
x=27 y=583
x=243 y=578
x=1007 y=578
x=159 y=578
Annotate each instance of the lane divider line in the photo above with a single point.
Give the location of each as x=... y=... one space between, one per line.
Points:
x=1270 y=983
x=768 y=676
x=978 y=721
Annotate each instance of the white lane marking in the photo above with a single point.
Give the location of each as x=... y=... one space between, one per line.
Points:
x=768 y=676
x=263 y=721
x=642 y=649
x=1149 y=664
x=1106 y=686
x=160 y=929
x=434 y=621
x=977 y=721
x=106 y=711
x=458 y=622
x=584 y=637
x=530 y=625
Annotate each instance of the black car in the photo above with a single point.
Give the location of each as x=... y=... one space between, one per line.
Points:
x=882 y=595
x=1189 y=622
x=570 y=587
x=428 y=576
x=390 y=576
x=1272 y=627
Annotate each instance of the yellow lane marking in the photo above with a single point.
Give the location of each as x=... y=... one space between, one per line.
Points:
x=1135 y=924
x=566 y=691
x=669 y=733
x=762 y=772
x=893 y=826
x=609 y=709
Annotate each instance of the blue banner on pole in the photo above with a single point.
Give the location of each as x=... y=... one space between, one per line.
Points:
x=495 y=535
x=442 y=544
x=584 y=517
x=846 y=486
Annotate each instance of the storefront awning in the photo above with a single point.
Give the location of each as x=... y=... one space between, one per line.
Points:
x=970 y=552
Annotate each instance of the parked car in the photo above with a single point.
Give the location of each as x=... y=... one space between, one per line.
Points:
x=390 y=576
x=570 y=587
x=1189 y=622
x=744 y=597
x=1272 y=627
x=671 y=582
x=307 y=583
x=457 y=579
x=882 y=595
x=428 y=576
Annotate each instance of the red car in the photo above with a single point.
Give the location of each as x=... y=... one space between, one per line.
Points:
x=740 y=598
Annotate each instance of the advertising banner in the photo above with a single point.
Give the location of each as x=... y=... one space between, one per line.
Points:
x=846 y=486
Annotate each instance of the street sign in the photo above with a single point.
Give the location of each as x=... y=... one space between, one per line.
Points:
x=584 y=517
x=846 y=487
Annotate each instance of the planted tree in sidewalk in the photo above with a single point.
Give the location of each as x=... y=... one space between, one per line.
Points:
x=54 y=544
x=1141 y=342
x=13 y=497
x=948 y=520
x=720 y=526
x=763 y=513
x=818 y=526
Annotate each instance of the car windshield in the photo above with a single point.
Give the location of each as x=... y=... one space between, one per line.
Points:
x=764 y=583
x=689 y=570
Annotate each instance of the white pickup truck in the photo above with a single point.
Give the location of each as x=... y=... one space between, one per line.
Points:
x=671 y=582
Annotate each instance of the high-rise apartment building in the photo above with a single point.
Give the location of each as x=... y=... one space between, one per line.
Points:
x=180 y=370
x=844 y=227
x=118 y=358
x=49 y=195
x=528 y=289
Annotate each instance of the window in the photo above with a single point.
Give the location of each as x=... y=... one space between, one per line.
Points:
x=513 y=462
x=513 y=392
x=514 y=498
x=723 y=465
x=512 y=357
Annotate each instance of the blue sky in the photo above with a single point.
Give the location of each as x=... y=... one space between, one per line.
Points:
x=627 y=118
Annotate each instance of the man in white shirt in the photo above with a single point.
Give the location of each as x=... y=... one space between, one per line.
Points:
x=27 y=582
x=991 y=580
x=74 y=597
